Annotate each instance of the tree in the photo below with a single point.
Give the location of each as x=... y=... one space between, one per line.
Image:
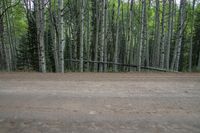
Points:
x=88 y=34
x=99 y=35
x=106 y=35
x=180 y=37
x=61 y=34
x=198 y=66
x=40 y=34
x=156 y=59
x=162 y=57
x=4 y=59
x=141 y=35
x=81 y=33
x=130 y=35
x=7 y=35
x=117 y=38
x=169 y=34
x=103 y=25
x=97 y=15
x=54 y=35
x=191 y=37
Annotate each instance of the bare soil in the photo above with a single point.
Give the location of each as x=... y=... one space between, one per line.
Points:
x=100 y=103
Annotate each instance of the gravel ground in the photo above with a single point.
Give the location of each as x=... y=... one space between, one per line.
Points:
x=100 y=103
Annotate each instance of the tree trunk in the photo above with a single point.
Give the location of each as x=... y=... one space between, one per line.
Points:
x=55 y=50
x=62 y=39
x=130 y=36
x=81 y=34
x=97 y=35
x=103 y=35
x=182 y=25
x=170 y=21
x=3 y=48
x=156 y=58
x=191 y=38
x=144 y=46
x=175 y=36
x=198 y=66
x=147 y=35
x=12 y=36
x=141 y=35
x=40 y=34
x=117 y=38
x=88 y=35
x=162 y=57
x=54 y=35
x=7 y=40
x=106 y=35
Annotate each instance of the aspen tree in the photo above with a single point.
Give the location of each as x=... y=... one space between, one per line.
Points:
x=81 y=33
x=169 y=34
x=61 y=34
x=117 y=38
x=141 y=35
x=180 y=37
x=191 y=37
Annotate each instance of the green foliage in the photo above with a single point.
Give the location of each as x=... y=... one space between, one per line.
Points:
x=196 y=42
x=20 y=20
x=27 y=45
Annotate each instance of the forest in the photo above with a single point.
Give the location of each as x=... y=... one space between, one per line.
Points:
x=99 y=66
x=99 y=35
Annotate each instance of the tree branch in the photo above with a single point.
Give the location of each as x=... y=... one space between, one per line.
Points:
x=1 y=15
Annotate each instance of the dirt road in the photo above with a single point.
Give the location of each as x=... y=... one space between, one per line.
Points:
x=99 y=103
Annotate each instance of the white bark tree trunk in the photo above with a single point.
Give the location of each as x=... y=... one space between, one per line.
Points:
x=117 y=38
x=162 y=57
x=180 y=39
x=88 y=35
x=40 y=34
x=130 y=36
x=62 y=38
x=141 y=35
x=97 y=36
x=191 y=38
x=106 y=37
x=170 y=21
x=156 y=59
x=81 y=34
x=102 y=36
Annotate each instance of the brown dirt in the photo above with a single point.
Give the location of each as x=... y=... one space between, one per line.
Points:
x=100 y=103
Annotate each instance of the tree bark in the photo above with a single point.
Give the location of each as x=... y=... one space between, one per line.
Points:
x=147 y=35
x=117 y=38
x=81 y=34
x=180 y=39
x=156 y=59
x=130 y=36
x=102 y=35
x=141 y=35
x=62 y=39
x=54 y=36
x=144 y=59
x=162 y=57
x=106 y=35
x=170 y=21
x=88 y=35
x=97 y=35
x=7 y=40
x=40 y=34
x=191 y=38
x=4 y=61
x=198 y=66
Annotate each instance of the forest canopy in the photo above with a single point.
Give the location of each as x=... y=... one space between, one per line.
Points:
x=99 y=35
